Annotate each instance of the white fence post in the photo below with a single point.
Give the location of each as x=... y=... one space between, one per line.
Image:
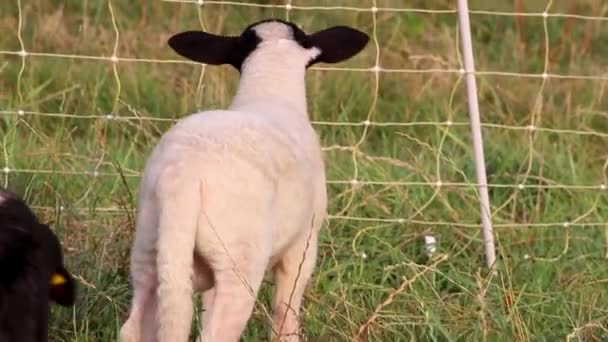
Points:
x=480 y=168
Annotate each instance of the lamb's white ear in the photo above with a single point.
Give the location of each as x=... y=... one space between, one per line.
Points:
x=337 y=43
x=205 y=47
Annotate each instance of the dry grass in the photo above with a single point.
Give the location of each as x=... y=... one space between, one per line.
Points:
x=373 y=279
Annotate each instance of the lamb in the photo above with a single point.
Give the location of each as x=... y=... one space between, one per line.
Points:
x=228 y=194
x=31 y=261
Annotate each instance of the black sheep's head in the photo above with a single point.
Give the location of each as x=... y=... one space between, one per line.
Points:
x=26 y=245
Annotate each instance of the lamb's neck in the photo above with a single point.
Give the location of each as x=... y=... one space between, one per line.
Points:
x=272 y=82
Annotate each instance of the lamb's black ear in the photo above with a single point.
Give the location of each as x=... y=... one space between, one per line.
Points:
x=63 y=287
x=337 y=43
x=204 y=47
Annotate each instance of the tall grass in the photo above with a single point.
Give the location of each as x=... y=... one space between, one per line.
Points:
x=372 y=277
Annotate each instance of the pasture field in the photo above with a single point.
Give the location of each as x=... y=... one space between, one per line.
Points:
x=75 y=130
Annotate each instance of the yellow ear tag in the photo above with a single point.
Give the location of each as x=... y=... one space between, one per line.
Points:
x=57 y=279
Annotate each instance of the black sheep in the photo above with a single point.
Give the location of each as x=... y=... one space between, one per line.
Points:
x=31 y=273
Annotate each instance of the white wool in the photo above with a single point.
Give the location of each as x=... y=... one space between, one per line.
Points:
x=258 y=87
x=227 y=195
x=273 y=30
x=241 y=187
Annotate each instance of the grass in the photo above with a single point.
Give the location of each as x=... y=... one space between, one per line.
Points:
x=372 y=276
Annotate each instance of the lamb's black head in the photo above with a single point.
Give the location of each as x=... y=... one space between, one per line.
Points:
x=331 y=45
x=30 y=249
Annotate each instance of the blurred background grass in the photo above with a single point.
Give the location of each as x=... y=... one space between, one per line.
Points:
x=372 y=276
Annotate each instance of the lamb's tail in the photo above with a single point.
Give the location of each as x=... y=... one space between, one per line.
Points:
x=179 y=203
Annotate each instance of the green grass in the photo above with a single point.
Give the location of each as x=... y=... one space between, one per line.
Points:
x=552 y=281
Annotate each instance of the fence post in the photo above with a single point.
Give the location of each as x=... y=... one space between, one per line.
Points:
x=480 y=167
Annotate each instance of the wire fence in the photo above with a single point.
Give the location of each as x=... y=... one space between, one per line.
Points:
x=544 y=135
x=29 y=52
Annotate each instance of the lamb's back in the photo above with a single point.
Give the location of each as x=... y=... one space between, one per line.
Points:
x=222 y=141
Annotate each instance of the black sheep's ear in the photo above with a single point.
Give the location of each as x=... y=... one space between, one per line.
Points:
x=337 y=43
x=205 y=47
x=63 y=287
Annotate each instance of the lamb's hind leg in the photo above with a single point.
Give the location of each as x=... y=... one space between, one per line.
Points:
x=140 y=325
x=238 y=274
x=291 y=274
x=208 y=300
x=203 y=280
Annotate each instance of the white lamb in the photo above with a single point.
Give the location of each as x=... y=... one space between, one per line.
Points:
x=227 y=194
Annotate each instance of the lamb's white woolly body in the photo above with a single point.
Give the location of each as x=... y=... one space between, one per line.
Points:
x=227 y=194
